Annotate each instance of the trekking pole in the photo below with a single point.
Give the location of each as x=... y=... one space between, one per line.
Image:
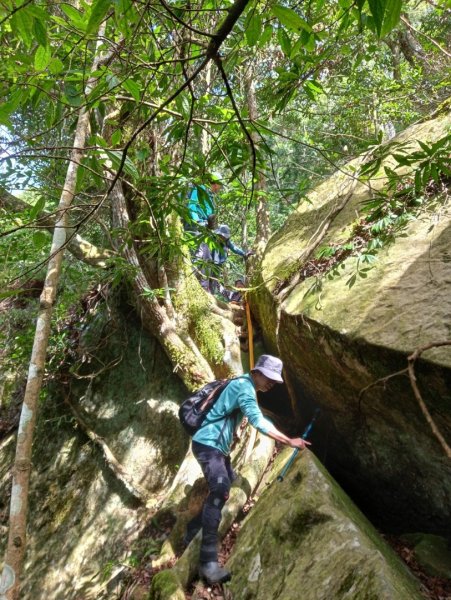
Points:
x=304 y=436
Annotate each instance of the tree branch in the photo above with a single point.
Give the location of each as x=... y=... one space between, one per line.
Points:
x=79 y=247
x=410 y=370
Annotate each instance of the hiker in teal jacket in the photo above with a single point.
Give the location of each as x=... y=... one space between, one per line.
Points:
x=202 y=205
x=217 y=431
x=211 y=447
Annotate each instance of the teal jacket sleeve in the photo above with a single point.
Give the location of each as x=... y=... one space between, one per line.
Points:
x=235 y=249
x=249 y=407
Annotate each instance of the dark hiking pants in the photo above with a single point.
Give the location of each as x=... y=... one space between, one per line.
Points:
x=219 y=474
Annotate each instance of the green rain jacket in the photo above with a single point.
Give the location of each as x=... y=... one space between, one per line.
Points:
x=219 y=426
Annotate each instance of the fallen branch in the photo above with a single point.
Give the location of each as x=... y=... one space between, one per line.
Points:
x=410 y=371
x=413 y=381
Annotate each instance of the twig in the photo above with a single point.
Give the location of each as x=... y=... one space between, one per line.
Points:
x=410 y=370
x=410 y=26
x=218 y=63
x=413 y=381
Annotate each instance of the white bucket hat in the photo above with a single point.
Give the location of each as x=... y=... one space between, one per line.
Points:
x=270 y=366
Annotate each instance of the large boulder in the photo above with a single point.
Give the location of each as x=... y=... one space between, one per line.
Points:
x=305 y=538
x=336 y=340
x=83 y=519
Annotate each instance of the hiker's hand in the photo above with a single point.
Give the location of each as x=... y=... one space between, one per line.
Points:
x=299 y=443
x=249 y=253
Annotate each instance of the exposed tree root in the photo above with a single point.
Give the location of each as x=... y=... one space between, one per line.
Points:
x=136 y=490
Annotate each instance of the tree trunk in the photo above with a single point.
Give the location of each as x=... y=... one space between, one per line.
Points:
x=393 y=44
x=410 y=47
x=22 y=464
x=190 y=365
x=262 y=211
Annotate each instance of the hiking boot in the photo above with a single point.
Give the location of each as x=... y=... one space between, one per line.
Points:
x=212 y=572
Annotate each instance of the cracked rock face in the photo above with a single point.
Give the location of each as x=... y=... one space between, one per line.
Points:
x=337 y=341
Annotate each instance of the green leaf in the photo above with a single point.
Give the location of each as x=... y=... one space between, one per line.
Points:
x=72 y=94
x=42 y=58
x=392 y=15
x=434 y=172
x=284 y=41
x=425 y=175
x=10 y=293
x=265 y=36
x=142 y=154
x=74 y=16
x=377 y=8
x=351 y=281
x=418 y=186
x=7 y=108
x=40 y=32
x=290 y=19
x=37 y=208
x=98 y=11
x=313 y=88
x=38 y=13
x=428 y=150
x=132 y=87
x=183 y=104
x=56 y=66
x=124 y=17
x=444 y=141
x=401 y=159
x=129 y=167
x=253 y=27
x=308 y=41
x=40 y=239
x=116 y=137
x=22 y=24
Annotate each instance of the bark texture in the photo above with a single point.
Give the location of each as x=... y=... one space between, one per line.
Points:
x=22 y=465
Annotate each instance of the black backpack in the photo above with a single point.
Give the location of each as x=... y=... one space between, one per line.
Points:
x=196 y=407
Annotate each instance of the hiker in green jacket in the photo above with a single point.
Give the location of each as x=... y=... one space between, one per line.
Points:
x=211 y=447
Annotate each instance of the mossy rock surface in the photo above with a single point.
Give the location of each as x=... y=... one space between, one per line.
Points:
x=433 y=552
x=82 y=520
x=337 y=342
x=305 y=538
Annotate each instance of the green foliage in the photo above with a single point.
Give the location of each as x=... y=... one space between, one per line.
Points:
x=326 y=88
x=405 y=196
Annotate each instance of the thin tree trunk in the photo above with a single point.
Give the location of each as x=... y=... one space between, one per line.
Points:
x=15 y=552
x=205 y=141
x=393 y=44
x=262 y=212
